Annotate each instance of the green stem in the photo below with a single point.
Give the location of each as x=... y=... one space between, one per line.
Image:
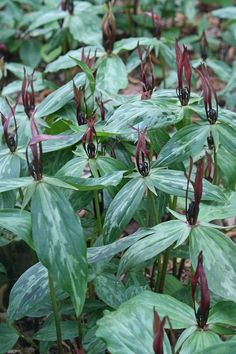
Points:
x=216 y=176
x=154 y=206
x=98 y=212
x=164 y=270
x=56 y=314
x=174 y=266
x=80 y=334
x=163 y=71
x=158 y=279
x=156 y=219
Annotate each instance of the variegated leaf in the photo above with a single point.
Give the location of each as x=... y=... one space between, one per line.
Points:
x=59 y=242
x=219 y=260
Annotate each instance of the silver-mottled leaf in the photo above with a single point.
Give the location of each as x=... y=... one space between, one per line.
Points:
x=122 y=209
x=59 y=242
x=219 y=259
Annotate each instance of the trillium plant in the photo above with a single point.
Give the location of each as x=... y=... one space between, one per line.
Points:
x=117 y=178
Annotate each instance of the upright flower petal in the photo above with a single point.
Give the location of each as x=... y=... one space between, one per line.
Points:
x=184 y=74
x=193 y=209
x=11 y=137
x=209 y=94
x=158 y=330
x=200 y=277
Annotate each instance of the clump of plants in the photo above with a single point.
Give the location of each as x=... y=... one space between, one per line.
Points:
x=117 y=179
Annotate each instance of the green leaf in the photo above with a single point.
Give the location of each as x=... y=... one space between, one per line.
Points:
x=108 y=164
x=220 y=68
x=30 y=52
x=131 y=43
x=88 y=73
x=47 y=333
x=85 y=28
x=109 y=289
x=122 y=209
x=219 y=268
x=220 y=348
x=225 y=12
x=103 y=253
x=66 y=61
x=30 y=294
x=18 y=222
x=60 y=247
x=130 y=329
x=9 y=165
x=199 y=340
x=186 y=142
x=62 y=143
x=73 y=168
x=46 y=18
x=227 y=137
x=58 y=183
x=91 y=183
x=160 y=238
x=14 y=183
x=111 y=74
x=142 y=114
x=175 y=183
x=9 y=337
x=57 y=99
x=212 y=211
x=223 y=312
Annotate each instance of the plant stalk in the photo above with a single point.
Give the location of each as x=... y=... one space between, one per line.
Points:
x=56 y=314
x=164 y=270
x=98 y=213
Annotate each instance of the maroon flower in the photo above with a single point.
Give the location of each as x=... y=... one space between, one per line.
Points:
x=184 y=73
x=109 y=30
x=68 y=5
x=89 y=137
x=89 y=61
x=209 y=94
x=157 y=23
x=11 y=137
x=141 y=153
x=193 y=209
x=158 y=329
x=79 y=96
x=147 y=76
x=27 y=93
x=204 y=46
x=204 y=306
x=101 y=106
x=35 y=162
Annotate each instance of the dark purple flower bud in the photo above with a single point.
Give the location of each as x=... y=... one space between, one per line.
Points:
x=11 y=136
x=147 y=75
x=68 y=5
x=141 y=153
x=193 y=209
x=89 y=61
x=158 y=330
x=27 y=93
x=35 y=162
x=89 y=139
x=184 y=73
x=210 y=142
x=101 y=106
x=109 y=30
x=209 y=94
x=79 y=96
x=203 y=46
x=156 y=22
x=209 y=172
x=200 y=278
